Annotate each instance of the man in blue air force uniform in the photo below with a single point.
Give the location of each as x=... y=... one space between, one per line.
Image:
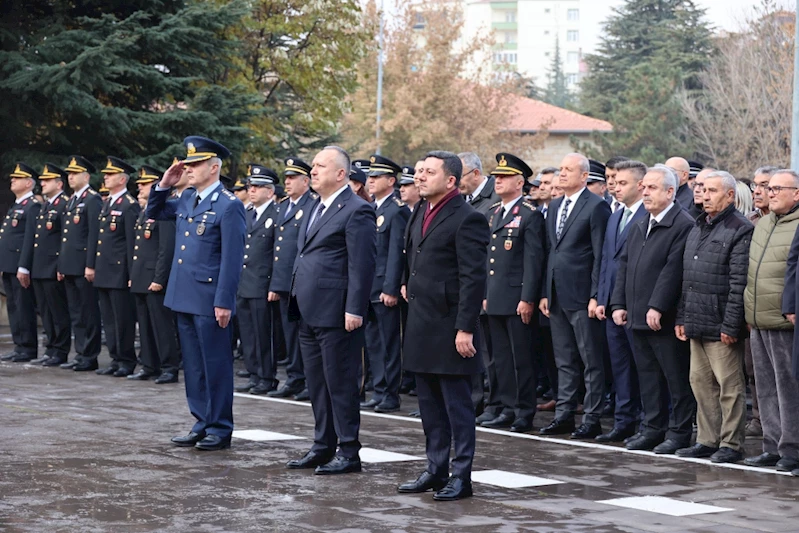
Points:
x=209 y=249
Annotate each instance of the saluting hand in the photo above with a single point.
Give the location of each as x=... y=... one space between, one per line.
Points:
x=172 y=176
x=222 y=316
x=464 y=344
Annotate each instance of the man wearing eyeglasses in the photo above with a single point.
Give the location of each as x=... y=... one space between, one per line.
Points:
x=760 y=193
x=697 y=206
x=477 y=189
x=771 y=314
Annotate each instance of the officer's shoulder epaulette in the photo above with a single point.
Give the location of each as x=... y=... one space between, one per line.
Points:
x=229 y=195
x=283 y=199
x=529 y=206
x=399 y=202
x=92 y=191
x=130 y=198
x=495 y=205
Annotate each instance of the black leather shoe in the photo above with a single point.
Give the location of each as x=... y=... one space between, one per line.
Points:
x=9 y=356
x=412 y=392
x=426 y=481
x=786 y=464
x=504 y=420
x=107 y=371
x=186 y=441
x=85 y=366
x=69 y=365
x=631 y=438
x=416 y=413
x=371 y=404
x=166 y=377
x=247 y=386
x=242 y=374
x=42 y=360
x=616 y=435
x=521 y=425
x=211 y=443
x=22 y=358
x=726 y=455
x=339 y=465
x=53 y=361
x=455 y=489
x=697 y=451
x=643 y=443
x=123 y=372
x=795 y=473
x=387 y=407
x=669 y=446
x=263 y=387
x=558 y=427
x=486 y=416
x=311 y=459
x=303 y=396
x=587 y=431
x=285 y=391
x=141 y=375
x=764 y=459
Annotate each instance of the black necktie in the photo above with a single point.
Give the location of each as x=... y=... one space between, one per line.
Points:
x=288 y=210
x=563 y=216
x=319 y=211
x=196 y=200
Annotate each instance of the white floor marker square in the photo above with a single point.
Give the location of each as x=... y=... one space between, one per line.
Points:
x=371 y=455
x=259 y=435
x=667 y=506
x=511 y=480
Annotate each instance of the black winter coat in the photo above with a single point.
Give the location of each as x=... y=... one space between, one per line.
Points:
x=715 y=263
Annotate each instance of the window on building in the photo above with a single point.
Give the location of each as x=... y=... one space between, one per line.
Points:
x=572 y=79
x=510 y=16
x=572 y=36
x=505 y=57
x=573 y=15
x=547 y=10
x=418 y=21
x=572 y=58
x=546 y=32
x=510 y=37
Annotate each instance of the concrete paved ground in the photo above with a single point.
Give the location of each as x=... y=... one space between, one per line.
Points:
x=81 y=452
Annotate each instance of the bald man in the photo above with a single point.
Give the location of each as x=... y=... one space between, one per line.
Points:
x=682 y=169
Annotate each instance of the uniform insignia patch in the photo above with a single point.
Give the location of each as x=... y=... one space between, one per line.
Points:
x=49 y=225
x=14 y=222
x=147 y=234
x=515 y=223
x=76 y=219
x=380 y=220
x=113 y=226
x=516 y=210
x=119 y=200
x=298 y=215
x=201 y=228
x=268 y=223
x=508 y=244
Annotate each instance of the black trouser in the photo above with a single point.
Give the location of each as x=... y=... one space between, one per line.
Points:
x=157 y=333
x=255 y=325
x=291 y=334
x=483 y=344
x=663 y=367
x=547 y=355
x=383 y=346
x=51 y=297
x=21 y=315
x=278 y=338
x=84 y=313
x=514 y=362
x=119 y=321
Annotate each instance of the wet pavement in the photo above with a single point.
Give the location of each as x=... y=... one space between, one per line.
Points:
x=82 y=452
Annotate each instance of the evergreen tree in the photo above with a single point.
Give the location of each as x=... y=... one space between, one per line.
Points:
x=650 y=47
x=124 y=77
x=557 y=91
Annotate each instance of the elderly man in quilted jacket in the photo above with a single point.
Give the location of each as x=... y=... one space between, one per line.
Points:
x=711 y=315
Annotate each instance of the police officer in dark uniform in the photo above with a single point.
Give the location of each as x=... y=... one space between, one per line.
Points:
x=149 y=273
x=383 y=316
x=80 y=227
x=516 y=260
x=255 y=321
x=289 y=219
x=51 y=295
x=16 y=248
x=115 y=242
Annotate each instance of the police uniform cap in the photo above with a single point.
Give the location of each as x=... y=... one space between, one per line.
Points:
x=260 y=175
x=51 y=172
x=536 y=182
x=362 y=164
x=23 y=171
x=115 y=165
x=296 y=167
x=383 y=166
x=239 y=185
x=148 y=174
x=695 y=168
x=597 y=172
x=201 y=149
x=78 y=163
x=406 y=178
x=357 y=174
x=510 y=165
x=280 y=192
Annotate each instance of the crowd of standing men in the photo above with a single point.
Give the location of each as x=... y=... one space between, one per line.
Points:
x=643 y=293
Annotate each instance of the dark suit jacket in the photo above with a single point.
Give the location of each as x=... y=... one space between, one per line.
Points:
x=80 y=227
x=446 y=278
x=392 y=218
x=256 y=273
x=487 y=197
x=611 y=252
x=287 y=233
x=47 y=240
x=575 y=260
x=685 y=196
x=650 y=271
x=115 y=243
x=335 y=266
x=17 y=235
x=152 y=254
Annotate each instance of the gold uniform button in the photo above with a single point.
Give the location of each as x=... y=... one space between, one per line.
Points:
x=180 y=261
x=246 y=256
x=183 y=247
x=101 y=230
x=280 y=238
x=276 y=258
x=247 y=246
x=36 y=245
x=36 y=236
x=67 y=231
x=98 y=254
x=191 y=220
x=39 y=226
x=64 y=239
x=186 y=234
x=243 y=266
x=495 y=236
x=210 y=280
x=99 y=242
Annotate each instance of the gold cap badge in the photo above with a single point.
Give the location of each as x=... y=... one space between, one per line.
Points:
x=502 y=161
x=191 y=149
x=289 y=162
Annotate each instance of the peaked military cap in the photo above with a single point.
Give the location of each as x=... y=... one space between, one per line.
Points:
x=406 y=178
x=695 y=168
x=201 y=149
x=239 y=185
x=362 y=164
x=596 y=172
x=148 y=174
x=297 y=167
x=51 y=172
x=115 y=165
x=357 y=174
x=260 y=175
x=78 y=163
x=280 y=192
x=103 y=190
x=383 y=166
x=509 y=165
x=23 y=171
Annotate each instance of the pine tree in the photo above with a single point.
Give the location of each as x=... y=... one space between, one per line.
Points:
x=127 y=78
x=557 y=91
x=650 y=47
